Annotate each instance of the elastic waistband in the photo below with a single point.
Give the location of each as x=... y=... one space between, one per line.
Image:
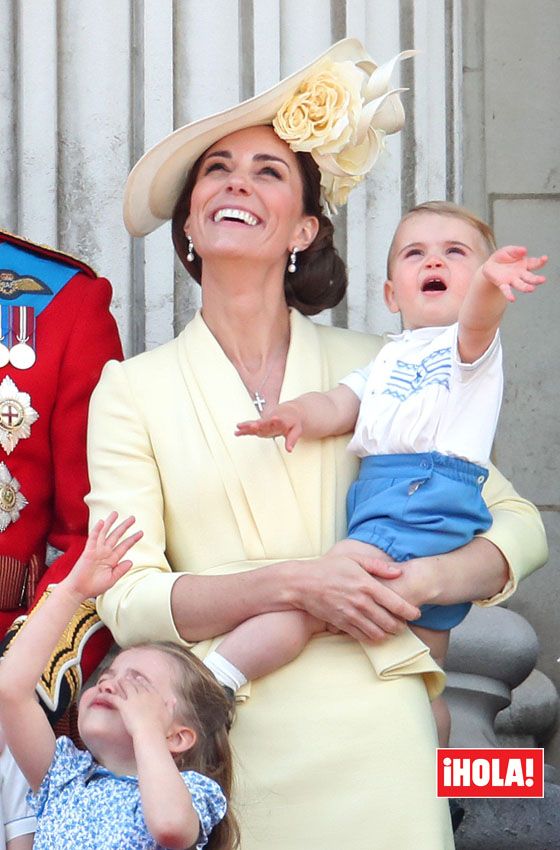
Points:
x=421 y=465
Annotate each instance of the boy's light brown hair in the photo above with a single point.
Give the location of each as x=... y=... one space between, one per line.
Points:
x=453 y=211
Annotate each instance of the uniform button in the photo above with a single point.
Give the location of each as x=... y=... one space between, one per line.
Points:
x=480 y=479
x=424 y=464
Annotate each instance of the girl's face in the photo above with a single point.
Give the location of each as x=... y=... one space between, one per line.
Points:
x=140 y=679
x=247 y=200
x=434 y=259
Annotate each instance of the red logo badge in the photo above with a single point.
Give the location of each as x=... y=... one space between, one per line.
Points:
x=490 y=772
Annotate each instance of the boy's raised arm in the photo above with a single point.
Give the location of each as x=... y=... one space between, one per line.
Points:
x=487 y=297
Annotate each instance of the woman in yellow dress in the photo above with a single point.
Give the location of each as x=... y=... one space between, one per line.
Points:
x=337 y=748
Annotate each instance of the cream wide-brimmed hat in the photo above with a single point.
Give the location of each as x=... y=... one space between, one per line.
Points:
x=338 y=108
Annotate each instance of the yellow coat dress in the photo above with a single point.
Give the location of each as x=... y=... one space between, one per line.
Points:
x=336 y=749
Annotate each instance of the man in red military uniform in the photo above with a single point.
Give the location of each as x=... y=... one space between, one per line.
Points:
x=56 y=335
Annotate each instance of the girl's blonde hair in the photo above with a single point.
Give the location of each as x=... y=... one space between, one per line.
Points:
x=452 y=210
x=204 y=705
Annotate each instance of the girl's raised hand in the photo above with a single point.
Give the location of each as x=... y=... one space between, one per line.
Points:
x=142 y=708
x=101 y=563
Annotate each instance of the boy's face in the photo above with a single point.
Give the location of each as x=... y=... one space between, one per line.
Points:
x=434 y=259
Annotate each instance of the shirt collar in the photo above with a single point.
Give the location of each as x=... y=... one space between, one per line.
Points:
x=417 y=334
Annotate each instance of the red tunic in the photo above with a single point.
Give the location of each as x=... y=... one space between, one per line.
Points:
x=75 y=336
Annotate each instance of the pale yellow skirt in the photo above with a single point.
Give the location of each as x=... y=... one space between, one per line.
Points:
x=328 y=756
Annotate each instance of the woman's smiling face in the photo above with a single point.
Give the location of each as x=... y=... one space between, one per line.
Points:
x=247 y=200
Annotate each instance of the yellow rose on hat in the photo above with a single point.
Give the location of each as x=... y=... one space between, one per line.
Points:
x=322 y=112
x=340 y=115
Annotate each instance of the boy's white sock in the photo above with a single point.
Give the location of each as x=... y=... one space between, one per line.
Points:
x=225 y=672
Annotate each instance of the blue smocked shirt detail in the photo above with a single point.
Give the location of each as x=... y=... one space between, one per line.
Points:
x=409 y=378
x=81 y=804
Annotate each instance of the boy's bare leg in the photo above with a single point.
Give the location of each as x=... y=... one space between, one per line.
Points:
x=438 y=643
x=267 y=642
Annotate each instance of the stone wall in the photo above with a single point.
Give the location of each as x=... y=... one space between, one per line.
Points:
x=512 y=176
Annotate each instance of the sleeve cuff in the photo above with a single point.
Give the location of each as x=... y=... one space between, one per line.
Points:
x=142 y=613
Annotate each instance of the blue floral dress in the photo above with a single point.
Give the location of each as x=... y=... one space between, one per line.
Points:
x=81 y=804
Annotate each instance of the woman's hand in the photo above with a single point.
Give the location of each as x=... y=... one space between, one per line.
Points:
x=355 y=548
x=417 y=580
x=353 y=594
x=478 y=570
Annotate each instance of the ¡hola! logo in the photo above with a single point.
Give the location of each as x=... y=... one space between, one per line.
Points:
x=490 y=772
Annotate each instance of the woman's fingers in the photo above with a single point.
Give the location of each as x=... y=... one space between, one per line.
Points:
x=378 y=568
x=355 y=549
x=386 y=597
x=342 y=592
x=375 y=625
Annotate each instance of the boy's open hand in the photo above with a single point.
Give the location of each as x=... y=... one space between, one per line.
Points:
x=101 y=563
x=510 y=268
x=283 y=421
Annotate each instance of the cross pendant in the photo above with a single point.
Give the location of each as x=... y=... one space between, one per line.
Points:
x=259 y=401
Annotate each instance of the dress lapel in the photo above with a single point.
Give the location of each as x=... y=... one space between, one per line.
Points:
x=275 y=497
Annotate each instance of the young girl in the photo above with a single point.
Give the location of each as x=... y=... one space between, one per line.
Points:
x=424 y=414
x=157 y=772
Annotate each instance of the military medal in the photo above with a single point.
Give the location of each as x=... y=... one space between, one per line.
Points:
x=11 y=500
x=16 y=415
x=22 y=354
x=4 y=334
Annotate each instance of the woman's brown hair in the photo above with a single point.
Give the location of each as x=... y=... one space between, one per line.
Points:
x=204 y=705
x=320 y=280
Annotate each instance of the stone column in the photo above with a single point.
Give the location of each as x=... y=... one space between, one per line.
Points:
x=491 y=663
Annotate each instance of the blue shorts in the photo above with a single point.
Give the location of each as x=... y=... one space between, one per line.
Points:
x=416 y=505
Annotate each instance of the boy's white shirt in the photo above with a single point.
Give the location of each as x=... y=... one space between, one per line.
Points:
x=443 y=405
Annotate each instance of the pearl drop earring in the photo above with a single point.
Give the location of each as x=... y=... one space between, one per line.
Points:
x=190 y=247
x=292 y=267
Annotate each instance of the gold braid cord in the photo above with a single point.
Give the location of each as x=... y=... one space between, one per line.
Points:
x=64 y=663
